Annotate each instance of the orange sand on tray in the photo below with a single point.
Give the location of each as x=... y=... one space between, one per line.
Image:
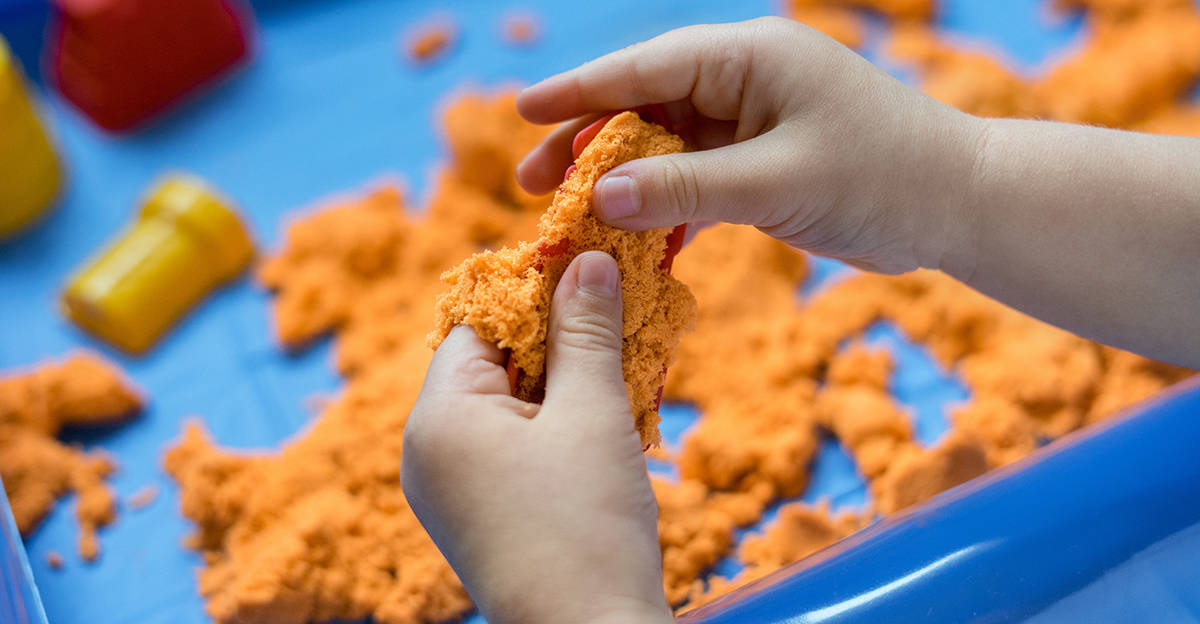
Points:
x=320 y=530
x=505 y=294
x=36 y=468
x=762 y=411
x=1139 y=61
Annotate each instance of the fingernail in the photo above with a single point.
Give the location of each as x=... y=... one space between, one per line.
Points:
x=599 y=273
x=617 y=197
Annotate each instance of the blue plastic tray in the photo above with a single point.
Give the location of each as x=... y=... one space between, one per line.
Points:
x=328 y=105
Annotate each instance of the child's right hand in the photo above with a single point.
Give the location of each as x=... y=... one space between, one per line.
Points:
x=795 y=134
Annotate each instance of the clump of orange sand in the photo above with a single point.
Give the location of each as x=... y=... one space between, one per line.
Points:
x=505 y=294
x=798 y=531
x=37 y=469
x=696 y=528
x=319 y=530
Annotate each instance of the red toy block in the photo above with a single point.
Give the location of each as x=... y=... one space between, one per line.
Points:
x=123 y=61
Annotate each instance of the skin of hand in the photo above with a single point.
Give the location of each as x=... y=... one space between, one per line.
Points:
x=545 y=511
x=1097 y=231
x=794 y=133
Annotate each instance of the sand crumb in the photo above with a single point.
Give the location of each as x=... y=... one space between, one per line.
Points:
x=521 y=29
x=431 y=39
x=143 y=498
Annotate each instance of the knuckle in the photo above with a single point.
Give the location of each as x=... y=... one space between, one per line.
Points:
x=681 y=188
x=425 y=439
x=468 y=376
x=724 y=73
x=774 y=25
x=589 y=332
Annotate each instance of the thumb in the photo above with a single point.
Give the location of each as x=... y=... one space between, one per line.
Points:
x=583 y=359
x=742 y=183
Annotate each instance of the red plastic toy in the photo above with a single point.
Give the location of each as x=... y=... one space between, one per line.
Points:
x=123 y=61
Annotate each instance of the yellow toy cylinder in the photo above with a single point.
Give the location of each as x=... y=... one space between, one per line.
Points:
x=29 y=173
x=186 y=241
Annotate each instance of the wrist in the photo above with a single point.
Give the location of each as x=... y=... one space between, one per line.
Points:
x=646 y=615
x=947 y=237
x=576 y=604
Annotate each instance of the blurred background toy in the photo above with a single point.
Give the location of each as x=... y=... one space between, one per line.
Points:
x=123 y=61
x=29 y=173
x=186 y=241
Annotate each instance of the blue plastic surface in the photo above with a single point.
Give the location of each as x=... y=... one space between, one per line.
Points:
x=329 y=104
x=19 y=601
x=1101 y=526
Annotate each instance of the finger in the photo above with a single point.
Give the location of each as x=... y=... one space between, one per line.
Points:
x=744 y=183
x=583 y=359
x=706 y=64
x=542 y=169
x=466 y=364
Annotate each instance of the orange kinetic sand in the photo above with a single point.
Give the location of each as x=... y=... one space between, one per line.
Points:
x=430 y=40
x=1139 y=61
x=143 y=498
x=36 y=468
x=797 y=531
x=521 y=29
x=844 y=25
x=505 y=294
x=903 y=10
x=319 y=530
x=696 y=528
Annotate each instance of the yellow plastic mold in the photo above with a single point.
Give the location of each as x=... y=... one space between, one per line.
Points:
x=29 y=173
x=186 y=241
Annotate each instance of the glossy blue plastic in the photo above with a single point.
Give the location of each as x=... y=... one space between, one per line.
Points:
x=19 y=601
x=1102 y=526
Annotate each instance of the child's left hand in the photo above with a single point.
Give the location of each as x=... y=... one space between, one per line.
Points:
x=545 y=512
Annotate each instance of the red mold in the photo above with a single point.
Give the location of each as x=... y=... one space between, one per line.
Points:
x=121 y=62
x=586 y=135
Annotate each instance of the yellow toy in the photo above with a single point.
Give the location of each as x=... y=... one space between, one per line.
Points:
x=28 y=169
x=186 y=241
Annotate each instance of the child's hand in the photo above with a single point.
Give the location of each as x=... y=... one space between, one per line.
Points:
x=548 y=518
x=795 y=134
x=1090 y=229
